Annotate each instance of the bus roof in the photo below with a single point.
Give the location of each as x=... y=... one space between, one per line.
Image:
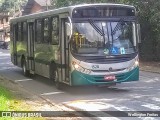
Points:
x=65 y=10
x=99 y=4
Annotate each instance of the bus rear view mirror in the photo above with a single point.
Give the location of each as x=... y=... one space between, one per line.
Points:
x=68 y=29
x=139 y=33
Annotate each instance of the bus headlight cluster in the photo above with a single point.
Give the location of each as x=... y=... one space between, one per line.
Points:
x=80 y=68
x=135 y=64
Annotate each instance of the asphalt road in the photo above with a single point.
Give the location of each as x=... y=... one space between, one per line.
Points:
x=143 y=95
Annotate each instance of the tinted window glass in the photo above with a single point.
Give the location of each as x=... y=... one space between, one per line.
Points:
x=39 y=37
x=19 y=32
x=24 y=31
x=55 y=30
x=46 y=30
x=97 y=11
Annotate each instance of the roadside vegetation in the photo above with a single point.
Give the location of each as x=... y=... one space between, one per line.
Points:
x=4 y=99
x=10 y=102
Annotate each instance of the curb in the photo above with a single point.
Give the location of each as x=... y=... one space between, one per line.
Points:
x=34 y=94
x=148 y=70
x=58 y=107
x=82 y=113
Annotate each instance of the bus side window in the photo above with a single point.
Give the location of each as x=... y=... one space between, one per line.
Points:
x=55 y=30
x=19 y=32
x=22 y=34
x=15 y=32
x=11 y=32
x=24 y=31
x=46 y=30
x=39 y=31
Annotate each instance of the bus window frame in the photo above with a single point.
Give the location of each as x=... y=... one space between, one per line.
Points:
x=54 y=42
x=15 y=34
x=48 y=30
x=20 y=33
x=11 y=31
x=24 y=30
x=39 y=31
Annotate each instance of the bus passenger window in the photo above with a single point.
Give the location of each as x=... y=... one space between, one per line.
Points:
x=15 y=32
x=54 y=32
x=19 y=32
x=11 y=32
x=39 y=31
x=24 y=31
x=46 y=30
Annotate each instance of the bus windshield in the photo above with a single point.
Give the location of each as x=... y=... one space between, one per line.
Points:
x=103 y=38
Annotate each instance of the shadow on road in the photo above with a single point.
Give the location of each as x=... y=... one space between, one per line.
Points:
x=82 y=90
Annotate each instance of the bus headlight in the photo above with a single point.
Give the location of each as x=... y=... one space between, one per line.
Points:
x=80 y=68
x=136 y=64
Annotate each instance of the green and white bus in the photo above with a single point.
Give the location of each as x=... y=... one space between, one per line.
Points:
x=90 y=44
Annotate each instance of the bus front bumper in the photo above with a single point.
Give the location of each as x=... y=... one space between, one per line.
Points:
x=78 y=78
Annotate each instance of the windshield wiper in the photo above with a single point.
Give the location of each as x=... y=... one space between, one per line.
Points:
x=99 y=30
x=118 y=26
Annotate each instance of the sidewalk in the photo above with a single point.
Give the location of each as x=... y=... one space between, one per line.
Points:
x=150 y=67
x=33 y=102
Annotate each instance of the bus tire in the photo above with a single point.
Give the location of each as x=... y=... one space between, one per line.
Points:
x=24 y=68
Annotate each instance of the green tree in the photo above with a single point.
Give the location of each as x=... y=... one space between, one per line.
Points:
x=11 y=5
x=63 y=3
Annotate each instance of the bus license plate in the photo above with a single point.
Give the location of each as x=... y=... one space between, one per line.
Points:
x=109 y=77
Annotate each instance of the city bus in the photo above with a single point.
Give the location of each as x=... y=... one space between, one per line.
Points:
x=89 y=44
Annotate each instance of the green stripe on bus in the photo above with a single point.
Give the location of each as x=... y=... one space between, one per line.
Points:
x=78 y=78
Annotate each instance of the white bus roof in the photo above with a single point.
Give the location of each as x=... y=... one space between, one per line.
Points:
x=64 y=10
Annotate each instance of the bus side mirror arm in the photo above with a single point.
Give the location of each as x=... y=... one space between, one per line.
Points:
x=69 y=29
x=138 y=33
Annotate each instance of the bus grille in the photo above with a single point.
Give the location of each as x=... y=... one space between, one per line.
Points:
x=107 y=60
x=113 y=70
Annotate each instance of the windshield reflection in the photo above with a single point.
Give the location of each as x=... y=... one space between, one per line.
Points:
x=103 y=38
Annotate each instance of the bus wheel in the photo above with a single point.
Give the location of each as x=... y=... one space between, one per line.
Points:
x=56 y=78
x=24 y=68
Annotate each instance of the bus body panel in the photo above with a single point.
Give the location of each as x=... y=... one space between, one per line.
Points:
x=47 y=54
x=21 y=51
x=79 y=78
x=123 y=71
x=44 y=55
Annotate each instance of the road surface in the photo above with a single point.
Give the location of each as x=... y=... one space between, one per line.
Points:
x=143 y=95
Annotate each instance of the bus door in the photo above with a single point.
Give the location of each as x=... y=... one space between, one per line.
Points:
x=31 y=46
x=64 y=51
x=15 y=37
